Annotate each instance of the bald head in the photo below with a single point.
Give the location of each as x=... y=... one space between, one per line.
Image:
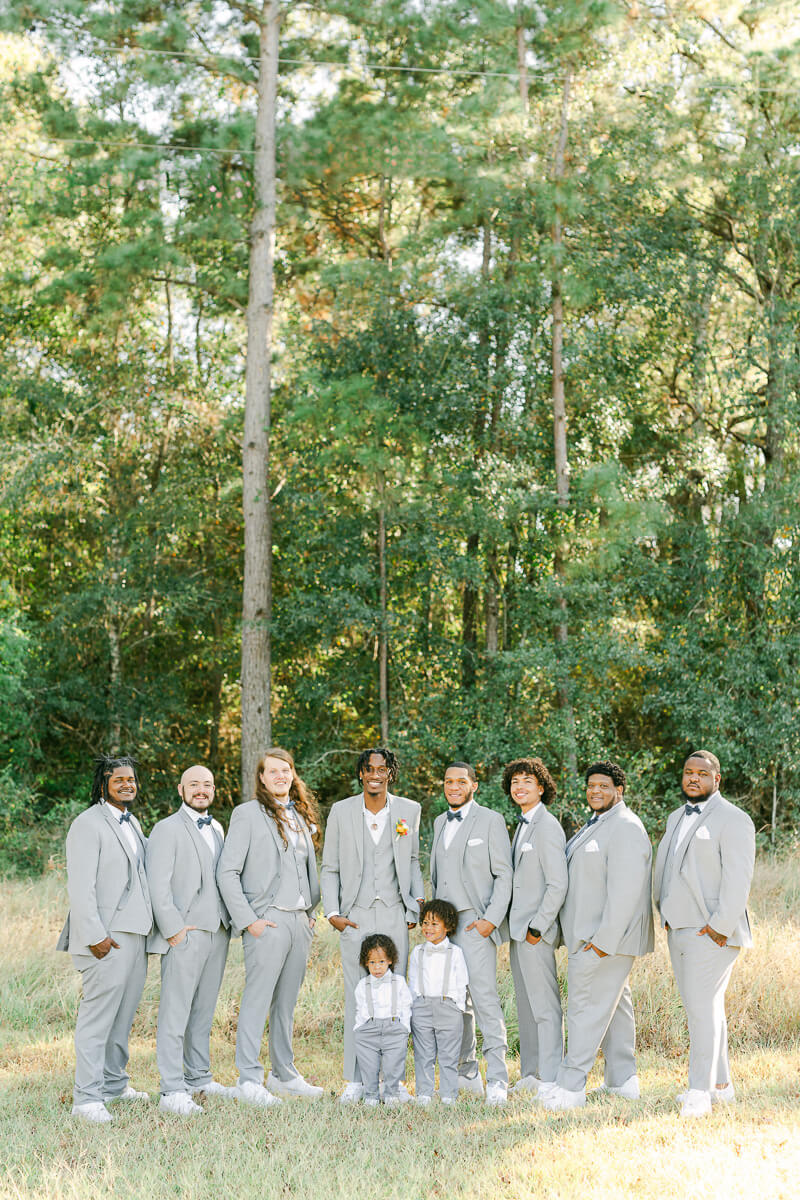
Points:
x=196 y=788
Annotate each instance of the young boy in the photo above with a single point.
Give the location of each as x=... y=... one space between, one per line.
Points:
x=438 y=982
x=383 y=1021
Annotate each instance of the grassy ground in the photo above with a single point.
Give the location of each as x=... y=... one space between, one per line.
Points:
x=613 y=1148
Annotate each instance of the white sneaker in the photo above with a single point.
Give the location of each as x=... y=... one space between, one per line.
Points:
x=352 y=1093
x=725 y=1095
x=370 y=1102
x=129 y=1094
x=629 y=1089
x=496 y=1094
x=695 y=1103
x=471 y=1083
x=297 y=1086
x=545 y=1088
x=96 y=1112
x=403 y=1094
x=448 y=1099
x=180 y=1103
x=528 y=1083
x=212 y=1088
x=255 y=1093
x=558 y=1099
x=392 y=1102
x=424 y=1101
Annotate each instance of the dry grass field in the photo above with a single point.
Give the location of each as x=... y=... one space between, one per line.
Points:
x=612 y=1148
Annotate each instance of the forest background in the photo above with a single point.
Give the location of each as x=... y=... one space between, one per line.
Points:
x=533 y=443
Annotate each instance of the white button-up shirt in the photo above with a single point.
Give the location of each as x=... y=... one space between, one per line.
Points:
x=382 y=1000
x=426 y=971
x=451 y=828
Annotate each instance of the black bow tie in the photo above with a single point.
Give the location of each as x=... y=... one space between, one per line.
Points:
x=126 y=816
x=201 y=821
x=289 y=804
x=522 y=819
x=454 y=816
x=593 y=820
x=691 y=808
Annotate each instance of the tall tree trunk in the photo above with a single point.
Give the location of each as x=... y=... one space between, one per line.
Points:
x=560 y=426
x=257 y=592
x=114 y=652
x=383 y=634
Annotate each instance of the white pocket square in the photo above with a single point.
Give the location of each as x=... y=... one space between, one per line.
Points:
x=592 y=847
x=526 y=848
x=703 y=834
x=475 y=842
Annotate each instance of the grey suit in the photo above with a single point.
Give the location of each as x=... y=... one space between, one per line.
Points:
x=539 y=887
x=608 y=904
x=256 y=872
x=384 y=904
x=183 y=890
x=108 y=897
x=475 y=875
x=705 y=880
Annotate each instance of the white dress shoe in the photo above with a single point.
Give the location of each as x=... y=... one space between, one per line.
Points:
x=471 y=1083
x=129 y=1094
x=528 y=1083
x=559 y=1099
x=496 y=1094
x=629 y=1089
x=297 y=1086
x=695 y=1103
x=251 y=1092
x=352 y=1093
x=95 y=1112
x=214 y=1089
x=180 y=1103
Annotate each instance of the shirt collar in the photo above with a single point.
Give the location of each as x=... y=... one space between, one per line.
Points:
x=442 y=945
x=193 y=813
x=464 y=810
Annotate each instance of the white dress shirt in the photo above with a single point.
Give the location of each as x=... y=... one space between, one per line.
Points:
x=426 y=971
x=382 y=1000
x=205 y=832
x=451 y=828
x=377 y=820
x=689 y=820
x=125 y=826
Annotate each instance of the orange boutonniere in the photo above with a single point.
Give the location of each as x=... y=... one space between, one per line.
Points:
x=401 y=828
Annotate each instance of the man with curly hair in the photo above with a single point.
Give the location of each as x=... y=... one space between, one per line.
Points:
x=371 y=881
x=539 y=887
x=606 y=922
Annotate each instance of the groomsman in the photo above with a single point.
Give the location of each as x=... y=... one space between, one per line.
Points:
x=606 y=921
x=704 y=867
x=540 y=885
x=267 y=876
x=371 y=881
x=191 y=935
x=471 y=867
x=106 y=932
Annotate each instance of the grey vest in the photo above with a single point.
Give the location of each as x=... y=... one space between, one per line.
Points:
x=207 y=910
x=449 y=884
x=294 y=877
x=379 y=874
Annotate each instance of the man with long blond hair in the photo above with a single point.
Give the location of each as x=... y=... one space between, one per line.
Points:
x=267 y=876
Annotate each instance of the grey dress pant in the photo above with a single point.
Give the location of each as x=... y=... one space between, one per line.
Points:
x=702 y=972
x=274 y=969
x=541 y=1022
x=483 y=1003
x=381 y=1044
x=191 y=974
x=599 y=1017
x=112 y=989
x=378 y=918
x=437 y=1026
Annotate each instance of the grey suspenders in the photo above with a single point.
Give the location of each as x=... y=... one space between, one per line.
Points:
x=371 y=1002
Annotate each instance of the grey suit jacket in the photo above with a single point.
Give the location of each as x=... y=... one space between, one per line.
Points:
x=343 y=854
x=714 y=871
x=608 y=896
x=107 y=884
x=486 y=870
x=249 y=867
x=183 y=886
x=540 y=877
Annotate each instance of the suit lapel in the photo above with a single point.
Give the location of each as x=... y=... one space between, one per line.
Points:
x=525 y=832
x=710 y=805
x=123 y=841
x=357 y=826
x=198 y=844
x=438 y=829
x=466 y=828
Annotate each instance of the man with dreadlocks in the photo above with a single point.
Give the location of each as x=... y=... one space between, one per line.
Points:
x=371 y=881
x=106 y=932
x=704 y=867
x=267 y=877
